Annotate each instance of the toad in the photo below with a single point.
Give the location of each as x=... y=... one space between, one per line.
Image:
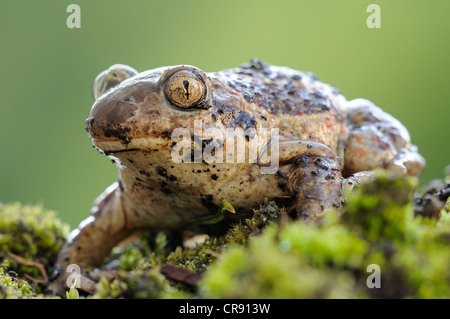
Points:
x=167 y=131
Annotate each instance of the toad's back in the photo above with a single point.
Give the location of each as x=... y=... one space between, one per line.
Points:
x=297 y=103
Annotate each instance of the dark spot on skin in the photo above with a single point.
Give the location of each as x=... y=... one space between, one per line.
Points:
x=166 y=191
x=199 y=171
x=318 y=95
x=209 y=197
x=321 y=164
x=315 y=173
x=166 y=134
x=309 y=146
x=78 y=248
x=295 y=192
x=244 y=120
x=248 y=98
x=282 y=184
x=301 y=160
x=161 y=171
x=211 y=207
x=119 y=132
x=138 y=179
x=130 y=160
x=164 y=188
x=214 y=177
x=172 y=178
x=101 y=152
x=324 y=107
x=120 y=185
x=129 y=99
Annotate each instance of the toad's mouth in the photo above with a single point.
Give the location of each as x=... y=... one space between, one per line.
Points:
x=135 y=144
x=112 y=152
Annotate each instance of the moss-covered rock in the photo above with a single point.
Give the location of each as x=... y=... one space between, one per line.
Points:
x=332 y=258
x=149 y=284
x=275 y=265
x=30 y=239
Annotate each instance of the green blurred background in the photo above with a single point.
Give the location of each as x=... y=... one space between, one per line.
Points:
x=48 y=71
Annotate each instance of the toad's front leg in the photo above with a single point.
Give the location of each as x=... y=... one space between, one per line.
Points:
x=315 y=184
x=93 y=240
x=313 y=177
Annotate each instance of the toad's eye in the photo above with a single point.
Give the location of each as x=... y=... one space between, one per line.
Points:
x=110 y=78
x=185 y=89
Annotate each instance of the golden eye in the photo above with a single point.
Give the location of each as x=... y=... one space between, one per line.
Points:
x=185 y=89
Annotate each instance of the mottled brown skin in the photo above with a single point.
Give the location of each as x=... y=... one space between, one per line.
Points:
x=325 y=141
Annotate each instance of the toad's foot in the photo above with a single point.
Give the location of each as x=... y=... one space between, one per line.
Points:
x=92 y=241
x=315 y=183
x=82 y=279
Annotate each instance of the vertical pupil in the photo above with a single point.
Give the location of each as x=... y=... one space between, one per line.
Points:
x=186 y=87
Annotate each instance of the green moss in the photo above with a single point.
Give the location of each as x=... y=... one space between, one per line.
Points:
x=198 y=258
x=381 y=209
x=295 y=261
x=149 y=284
x=325 y=244
x=447 y=205
x=266 y=269
x=267 y=214
x=12 y=288
x=330 y=259
x=32 y=233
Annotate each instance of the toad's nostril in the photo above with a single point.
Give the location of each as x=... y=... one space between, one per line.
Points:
x=89 y=122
